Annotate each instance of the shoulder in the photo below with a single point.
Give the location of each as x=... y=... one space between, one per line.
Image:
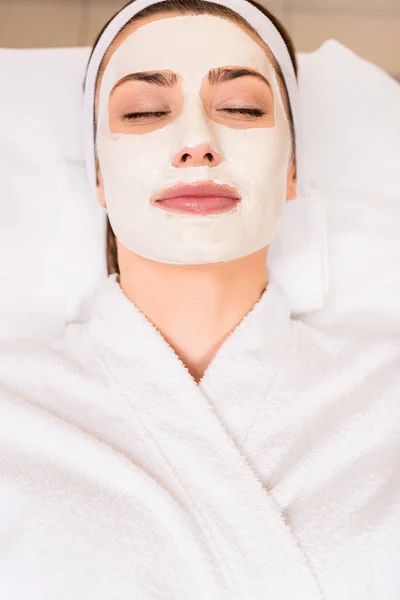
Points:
x=31 y=368
x=352 y=358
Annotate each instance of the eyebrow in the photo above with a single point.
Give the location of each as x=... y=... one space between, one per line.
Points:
x=169 y=79
x=223 y=74
x=166 y=79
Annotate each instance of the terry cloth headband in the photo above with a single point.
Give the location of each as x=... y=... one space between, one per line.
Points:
x=262 y=25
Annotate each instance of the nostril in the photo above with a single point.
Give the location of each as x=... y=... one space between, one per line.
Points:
x=196 y=157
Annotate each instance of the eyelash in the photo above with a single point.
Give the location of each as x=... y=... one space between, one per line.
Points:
x=142 y=115
x=253 y=112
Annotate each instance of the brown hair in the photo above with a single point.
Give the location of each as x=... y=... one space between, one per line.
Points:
x=196 y=7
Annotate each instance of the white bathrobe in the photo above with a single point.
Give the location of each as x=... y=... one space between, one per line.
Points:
x=276 y=478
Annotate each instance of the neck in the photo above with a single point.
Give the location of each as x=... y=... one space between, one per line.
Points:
x=194 y=307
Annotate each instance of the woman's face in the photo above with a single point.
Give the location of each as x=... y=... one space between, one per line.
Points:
x=192 y=100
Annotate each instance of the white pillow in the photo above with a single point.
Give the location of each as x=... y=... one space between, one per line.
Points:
x=351 y=111
x=52 y=230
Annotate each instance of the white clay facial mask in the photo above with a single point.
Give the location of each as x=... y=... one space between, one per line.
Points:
x=139 y=160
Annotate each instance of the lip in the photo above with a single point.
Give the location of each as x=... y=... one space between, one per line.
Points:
x=198 y=198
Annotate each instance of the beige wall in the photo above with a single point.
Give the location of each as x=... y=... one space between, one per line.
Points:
x=370 y=27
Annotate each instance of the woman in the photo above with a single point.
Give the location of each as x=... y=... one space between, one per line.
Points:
x=192 y=440
x=235 y=143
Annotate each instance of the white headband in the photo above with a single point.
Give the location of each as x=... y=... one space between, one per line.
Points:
x=262 y=25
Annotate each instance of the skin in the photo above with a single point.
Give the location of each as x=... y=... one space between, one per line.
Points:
x=194 y=307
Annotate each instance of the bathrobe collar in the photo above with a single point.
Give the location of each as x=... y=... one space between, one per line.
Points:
x=265 y=329
x=244 y=366
x=191 y=443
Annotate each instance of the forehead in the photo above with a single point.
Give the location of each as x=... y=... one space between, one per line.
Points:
x=188 y=45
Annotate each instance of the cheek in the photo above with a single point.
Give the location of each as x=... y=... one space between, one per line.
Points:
x=135 y=159
x=255 y=153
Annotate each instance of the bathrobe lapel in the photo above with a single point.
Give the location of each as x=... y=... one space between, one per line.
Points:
x=242 y=373
x=246 y=530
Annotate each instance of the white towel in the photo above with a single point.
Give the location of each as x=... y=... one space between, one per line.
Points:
x=275 y=478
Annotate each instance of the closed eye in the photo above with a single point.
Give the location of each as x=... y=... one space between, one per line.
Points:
x=134 y=116
x=253 y=112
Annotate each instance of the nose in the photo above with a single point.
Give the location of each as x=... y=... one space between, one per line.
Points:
x=196 y=156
